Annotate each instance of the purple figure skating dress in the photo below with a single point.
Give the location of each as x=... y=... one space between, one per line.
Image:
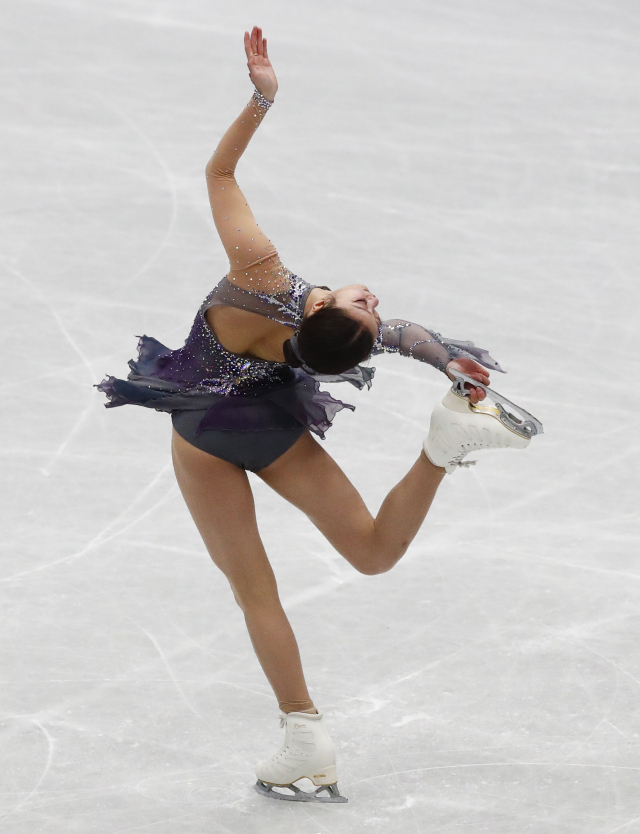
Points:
x=216 y=396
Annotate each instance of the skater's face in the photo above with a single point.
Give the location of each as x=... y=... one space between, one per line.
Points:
x=360 y=304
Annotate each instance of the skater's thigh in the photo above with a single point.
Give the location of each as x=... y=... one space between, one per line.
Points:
x=310 y=479
x=219 y=498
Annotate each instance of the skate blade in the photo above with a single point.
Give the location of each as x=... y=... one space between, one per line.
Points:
x=522 y=423
x=265 y=789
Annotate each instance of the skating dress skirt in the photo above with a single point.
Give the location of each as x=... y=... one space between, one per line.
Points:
x=250 y=411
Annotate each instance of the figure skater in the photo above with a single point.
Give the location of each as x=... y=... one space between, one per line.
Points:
x=244 y=394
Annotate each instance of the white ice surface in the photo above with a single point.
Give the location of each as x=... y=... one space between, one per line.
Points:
x=477 y=165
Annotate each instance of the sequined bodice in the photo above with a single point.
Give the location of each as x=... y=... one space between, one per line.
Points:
x=204 y=363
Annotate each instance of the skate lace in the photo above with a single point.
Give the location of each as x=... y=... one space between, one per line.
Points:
x=457 y=459
x=473 y=444
x=287 y=750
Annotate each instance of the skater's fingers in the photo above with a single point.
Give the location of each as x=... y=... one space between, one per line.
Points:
x=471 y=387
x=481 y=376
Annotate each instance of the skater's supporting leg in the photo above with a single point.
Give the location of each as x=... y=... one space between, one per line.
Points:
x=219 y=498
x=311 y=480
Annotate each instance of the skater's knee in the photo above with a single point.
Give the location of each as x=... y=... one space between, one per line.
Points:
x=371 y=568
x=374 y=562
x=252 y=596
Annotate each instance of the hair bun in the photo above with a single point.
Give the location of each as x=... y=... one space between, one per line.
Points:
x=289 y=356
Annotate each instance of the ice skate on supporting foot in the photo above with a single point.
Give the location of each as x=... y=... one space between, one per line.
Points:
x=459 y=427
x=307 y=753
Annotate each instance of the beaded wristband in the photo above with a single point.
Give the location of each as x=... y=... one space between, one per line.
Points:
x=261 y=102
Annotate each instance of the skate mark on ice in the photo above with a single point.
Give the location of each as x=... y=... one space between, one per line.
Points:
x=616 y=666
x=409 y=801
x=51 y=746
x=195 y=552
x=578 y=745
x=181 y=820
x=105 y=535
x=135 y=128
x=330 y=558
x=512 y=763
x=313 y=818
x=409 y=719
x=604 y=657
x=591 y=568
x=617 y=730
x=341 y=572
x=66 y=371
x=376 y=704
x=301 y=597
x=214 y=637
x=397 y=415
x=460 y=605
x=35 y=289
x=167 y=666
x=471 y=646
x=561 y=485
x=623 y=826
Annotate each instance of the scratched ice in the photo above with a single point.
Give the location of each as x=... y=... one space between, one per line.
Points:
x=477 y=165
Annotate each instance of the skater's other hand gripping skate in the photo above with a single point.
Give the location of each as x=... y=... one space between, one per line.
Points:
x=475 y=371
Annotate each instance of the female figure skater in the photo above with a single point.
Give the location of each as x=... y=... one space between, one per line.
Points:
x=244 y=394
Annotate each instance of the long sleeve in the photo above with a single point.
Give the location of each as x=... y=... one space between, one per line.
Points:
x=413 y=340
x=235 y=140
x=254 y=264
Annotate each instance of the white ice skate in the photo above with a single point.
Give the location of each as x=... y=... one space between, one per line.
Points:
x=307 y=753
x=459 y=427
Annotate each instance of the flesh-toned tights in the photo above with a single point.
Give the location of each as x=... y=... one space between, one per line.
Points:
x=220 y=500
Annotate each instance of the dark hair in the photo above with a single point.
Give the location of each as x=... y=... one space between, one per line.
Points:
x=330 y=341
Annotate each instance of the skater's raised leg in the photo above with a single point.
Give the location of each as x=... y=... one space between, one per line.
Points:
x=311 y=480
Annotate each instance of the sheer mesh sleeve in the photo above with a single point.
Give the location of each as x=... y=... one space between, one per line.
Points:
x=284 y=305
x=254 y=264
x=266 y=275
x=409 y=339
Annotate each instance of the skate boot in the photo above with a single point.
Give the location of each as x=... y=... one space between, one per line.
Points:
x=459 y=427
x=308 y=753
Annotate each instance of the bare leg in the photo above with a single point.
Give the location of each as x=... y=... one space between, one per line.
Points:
x=219 y=497
x=404 y=510
x=312 y=481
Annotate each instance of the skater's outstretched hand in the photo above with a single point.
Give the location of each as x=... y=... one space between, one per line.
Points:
x=470 y=368
x=260 y=69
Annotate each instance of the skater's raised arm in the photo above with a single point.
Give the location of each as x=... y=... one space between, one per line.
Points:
x=253 y=259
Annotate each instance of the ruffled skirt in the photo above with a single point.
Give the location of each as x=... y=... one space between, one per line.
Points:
x=294 y=400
